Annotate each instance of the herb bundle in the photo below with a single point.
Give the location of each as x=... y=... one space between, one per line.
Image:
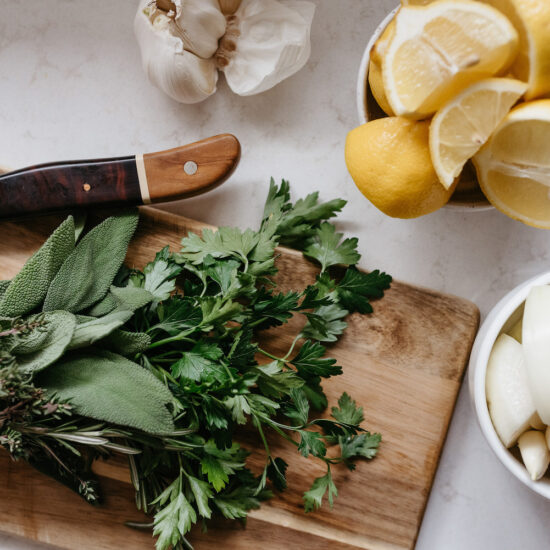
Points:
x=96 y=358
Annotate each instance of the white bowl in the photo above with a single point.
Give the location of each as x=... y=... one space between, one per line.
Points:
x=501 y=319
x=368 y=109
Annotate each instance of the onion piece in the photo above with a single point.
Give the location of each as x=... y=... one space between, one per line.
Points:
x=510 y=403
x=536 y=348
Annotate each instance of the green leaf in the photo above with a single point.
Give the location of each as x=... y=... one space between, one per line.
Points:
x=219 y=464
x=225 y=242
x=106 y=386
x=202 y=493
x=239 y=407
x=276 y=472
x=355 y=289
x=347 y=411
x=201 y=363
x=177 y=315
x=274 y=382
x=276 y=309
x=224 y=273
x=310 y=361
x=3 y=287
x=29 y=287
x=364 y=445
x=88 y=272
x=311 y=443
x=160 y=275
x=325 y=324
x=126 y=343
x=47 y=347
x=328 y=248
x=217 y=311
x=174 y=520
x=313 y=498
x=298 y=408
x=93 y=330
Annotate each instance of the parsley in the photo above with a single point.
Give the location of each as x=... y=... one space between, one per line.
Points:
x=171 y=365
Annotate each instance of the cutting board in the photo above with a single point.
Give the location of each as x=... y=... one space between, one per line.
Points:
x=403 y=364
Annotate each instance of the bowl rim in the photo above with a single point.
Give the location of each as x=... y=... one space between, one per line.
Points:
x=483 y=345
x=361 y=102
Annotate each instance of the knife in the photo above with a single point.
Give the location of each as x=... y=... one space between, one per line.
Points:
x=139 y=179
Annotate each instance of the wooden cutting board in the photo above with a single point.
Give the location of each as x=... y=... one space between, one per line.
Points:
x=404 y=364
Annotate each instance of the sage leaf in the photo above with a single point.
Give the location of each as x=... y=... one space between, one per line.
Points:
x=126 y=343
x=45 y=345
x=127 y=298
x=3 y=287
x=103 y=385
x=29 y=287
x=88 y=272
x=89 y=332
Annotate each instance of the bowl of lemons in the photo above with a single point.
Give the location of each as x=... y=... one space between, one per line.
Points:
x=451 y=105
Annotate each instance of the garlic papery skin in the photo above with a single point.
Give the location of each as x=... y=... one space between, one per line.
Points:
x=183 y=75
x=266 y=41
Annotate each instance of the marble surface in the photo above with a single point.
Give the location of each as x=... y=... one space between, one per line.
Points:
x=71 y=86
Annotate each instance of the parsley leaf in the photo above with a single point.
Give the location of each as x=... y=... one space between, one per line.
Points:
x=314 y=497
x=310 y=362
x=347 y=411
x=356 y=287
x=325 y=324
x=328 y=248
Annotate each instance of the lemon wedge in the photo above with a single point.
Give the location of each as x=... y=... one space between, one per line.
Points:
x=513 y=167
x=461 y=127
x=439 y=49
x=532 y=20
x=376 y=80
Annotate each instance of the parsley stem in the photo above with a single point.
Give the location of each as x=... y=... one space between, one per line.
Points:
x=267 y=354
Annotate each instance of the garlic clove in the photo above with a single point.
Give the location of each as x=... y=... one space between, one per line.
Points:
x=266 y=41
x=534 y=453
x=179 y=73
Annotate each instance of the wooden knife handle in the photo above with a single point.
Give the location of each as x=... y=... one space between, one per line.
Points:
x=141 y=179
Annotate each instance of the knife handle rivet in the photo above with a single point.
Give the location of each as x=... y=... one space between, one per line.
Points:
x=86 y=187
x=190 y=168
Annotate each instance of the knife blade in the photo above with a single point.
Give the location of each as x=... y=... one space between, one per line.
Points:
x=138 y=179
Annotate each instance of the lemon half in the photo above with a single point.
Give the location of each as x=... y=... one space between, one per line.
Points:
x=513 y=168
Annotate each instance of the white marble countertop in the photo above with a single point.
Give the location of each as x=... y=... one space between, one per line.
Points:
x=71 y=86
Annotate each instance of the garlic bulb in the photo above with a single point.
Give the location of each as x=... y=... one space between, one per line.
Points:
x=177 y=47
x=257 y=43
x=266 y=41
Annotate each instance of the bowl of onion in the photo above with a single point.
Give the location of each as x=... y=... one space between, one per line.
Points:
x=509 y=379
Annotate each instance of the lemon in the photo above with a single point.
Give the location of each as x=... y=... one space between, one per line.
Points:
x=439 y=49
x=513 y=168
x=389 y=161
x=532 y=20
x=464 y=124
x=376 y=80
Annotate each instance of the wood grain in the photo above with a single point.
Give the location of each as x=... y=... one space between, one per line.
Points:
x=216 y=158
x=404 y=364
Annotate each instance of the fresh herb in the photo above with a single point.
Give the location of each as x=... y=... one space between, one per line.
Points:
x=104 y=359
